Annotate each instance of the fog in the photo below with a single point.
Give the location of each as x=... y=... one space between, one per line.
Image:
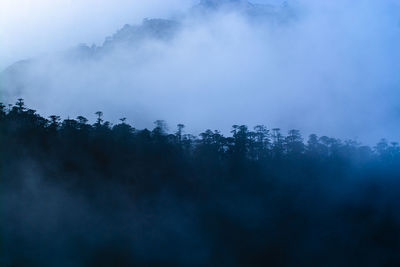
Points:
x=32 y=27
x=329 y=68
x=76 y=195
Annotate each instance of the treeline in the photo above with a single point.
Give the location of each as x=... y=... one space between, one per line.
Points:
x=257 y=197
x=257 y=145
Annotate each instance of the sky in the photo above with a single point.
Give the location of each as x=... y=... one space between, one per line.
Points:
x=333 y=71
x=32 y=27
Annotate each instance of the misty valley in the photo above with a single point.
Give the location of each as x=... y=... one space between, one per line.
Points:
x=158 y=145
x=80 y=194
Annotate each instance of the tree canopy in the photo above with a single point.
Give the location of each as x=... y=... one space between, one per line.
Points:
x=130 y=196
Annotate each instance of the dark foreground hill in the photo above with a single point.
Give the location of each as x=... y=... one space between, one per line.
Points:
x=79 y=194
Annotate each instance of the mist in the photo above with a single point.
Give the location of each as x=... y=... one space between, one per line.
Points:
x=31 y=28
x=109 y=191
x=325 y=68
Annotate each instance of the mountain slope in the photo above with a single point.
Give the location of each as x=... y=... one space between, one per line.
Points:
x=16 y=78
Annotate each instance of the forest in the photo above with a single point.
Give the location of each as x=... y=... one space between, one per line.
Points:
x=74 y=193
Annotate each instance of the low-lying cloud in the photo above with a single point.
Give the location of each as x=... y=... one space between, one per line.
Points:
x=330 y=68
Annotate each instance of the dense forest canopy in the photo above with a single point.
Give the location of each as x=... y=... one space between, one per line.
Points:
x=80 y=194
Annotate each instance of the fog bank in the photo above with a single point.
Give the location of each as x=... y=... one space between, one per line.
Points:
x=329 y=68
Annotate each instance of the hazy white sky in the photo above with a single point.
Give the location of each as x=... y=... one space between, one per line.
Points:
x=30 y=27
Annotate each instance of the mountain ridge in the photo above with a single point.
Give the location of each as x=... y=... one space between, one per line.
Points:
x=132 y=36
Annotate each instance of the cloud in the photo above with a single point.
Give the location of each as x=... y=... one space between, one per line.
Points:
x=32 y=27
x=332 y=70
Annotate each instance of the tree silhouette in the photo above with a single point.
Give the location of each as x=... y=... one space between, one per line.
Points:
x=99 y=118
x=251 y=198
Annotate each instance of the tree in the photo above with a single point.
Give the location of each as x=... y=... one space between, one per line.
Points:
x=99 y=118
x=382 y=147
x=20 y=105
x=54 y=123
x=179 y=132
x=261 y=142
x=2 y=111
x=82 y=120
x=161 y=128
x=294 y=143
x=123 y=130
x=277 y=143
